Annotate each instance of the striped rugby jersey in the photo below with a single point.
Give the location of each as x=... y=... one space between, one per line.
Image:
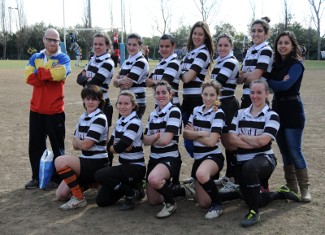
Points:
x=266 y=122
x=258 y=57
x=129 y=130
x=136 y=67
x=93 y=126
x=101 y=70
x=199 y=61
x=169 y=70
x=211 y=121
x=169 y=119
x=226 y=72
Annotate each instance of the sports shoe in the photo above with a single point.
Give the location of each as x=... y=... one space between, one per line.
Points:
x=51 y=185
x=222 y=181
x=190 y=191
x=167 y=210
x=229 y=187
x=288 y=194
x=73 y=203
x=32 y=184
x=251 y=218
x=214 y=212
x=140 y=188
x=129 y=202
x=188 y=180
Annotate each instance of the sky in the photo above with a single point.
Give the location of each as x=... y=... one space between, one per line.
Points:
x=141 y=16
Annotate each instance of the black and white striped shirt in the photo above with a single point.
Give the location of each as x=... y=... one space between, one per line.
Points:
x=266 y=122
x=169 y=119
x=210 y=121
x=169 y=70
x=129 y=130
x=101 y=70
x=199 y=61
x=226 y=72
x=93 y=126
x=136 y=67
x=258 y=57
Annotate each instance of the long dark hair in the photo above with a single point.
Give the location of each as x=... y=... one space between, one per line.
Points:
x=295 y=53
x=208 y=39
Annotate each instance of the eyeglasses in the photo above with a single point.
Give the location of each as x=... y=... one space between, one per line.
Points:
x=52 y=40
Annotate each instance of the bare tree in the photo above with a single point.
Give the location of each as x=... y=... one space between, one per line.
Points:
x=22 y=32
x=317 y=11
x=165 y=8
x=287 y=14
x=208 y=9
x=253 y=7
x=4 y=29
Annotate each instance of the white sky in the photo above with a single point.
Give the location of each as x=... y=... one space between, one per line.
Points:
x=141 y=15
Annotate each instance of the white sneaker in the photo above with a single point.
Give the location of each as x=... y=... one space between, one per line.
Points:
x=222 y=181
x=167 y=210
x=190 y=191
x=229 y=187
x=73 y=203
x=214 y=212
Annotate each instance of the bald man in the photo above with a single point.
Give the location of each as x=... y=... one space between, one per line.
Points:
x=46 y=73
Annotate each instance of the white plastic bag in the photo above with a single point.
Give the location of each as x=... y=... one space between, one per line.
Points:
x=46 y=168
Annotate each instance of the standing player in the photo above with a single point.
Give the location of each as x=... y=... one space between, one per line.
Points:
x=287 y=74
x=99 y=71
x=162 y=133
x=134 y=72
x=226 y=73
x=46 y=72
x=194 y=67
x=90 y=137
x=204 y=129
x=122 y=180
x=168 y=68
x=258 y=60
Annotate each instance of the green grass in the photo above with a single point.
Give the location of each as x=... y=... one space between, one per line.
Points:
x=14 y=64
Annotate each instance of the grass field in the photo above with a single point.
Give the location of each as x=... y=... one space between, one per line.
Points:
x=35 y=212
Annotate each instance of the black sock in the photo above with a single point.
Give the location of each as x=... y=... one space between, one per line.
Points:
x=211 y=188
x=166 y=192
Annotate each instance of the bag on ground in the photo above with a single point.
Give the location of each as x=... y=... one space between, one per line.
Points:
x=46 y=168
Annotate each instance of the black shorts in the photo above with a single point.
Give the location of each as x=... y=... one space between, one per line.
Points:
x=229 y=106
x=217 y=158
x=173 y=165
x=88 y=167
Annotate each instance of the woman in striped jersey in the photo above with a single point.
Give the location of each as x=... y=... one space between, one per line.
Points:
x=204 y=129
x=162 y=133
x=287 y=74
x=90 y=137
x=194 y=67
x=252 y=131
x=99 y=71
x=134 y=72
x=168 y=70
x=258 y=60
x=126 y=140
x=226 y=73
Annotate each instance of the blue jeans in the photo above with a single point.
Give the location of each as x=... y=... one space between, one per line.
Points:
x=289 y=142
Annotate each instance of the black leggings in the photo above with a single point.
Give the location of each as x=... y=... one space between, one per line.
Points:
x=250 y=174
x=116 y=181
